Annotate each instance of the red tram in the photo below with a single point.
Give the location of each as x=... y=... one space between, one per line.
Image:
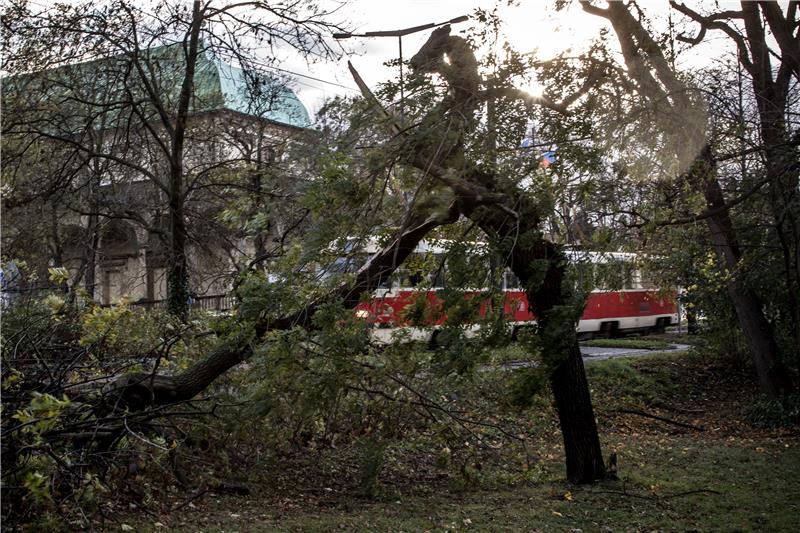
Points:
x=635 y=305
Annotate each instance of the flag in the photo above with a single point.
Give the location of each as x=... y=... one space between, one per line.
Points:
x=548 y=158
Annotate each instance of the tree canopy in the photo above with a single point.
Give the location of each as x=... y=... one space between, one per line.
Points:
x=695 y=170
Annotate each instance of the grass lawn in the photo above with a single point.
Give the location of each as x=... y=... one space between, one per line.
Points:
x=668 y=484
x=724 y=475
x=634 y=344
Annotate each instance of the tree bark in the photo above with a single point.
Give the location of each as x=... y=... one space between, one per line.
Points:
x=661 y=87
x=773 y=377
x=584 y=456
x=540 y=267
x=178 y=271
x=90 y=254
x=557 y=319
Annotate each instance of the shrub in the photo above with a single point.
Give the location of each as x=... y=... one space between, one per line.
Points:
x=772 y=413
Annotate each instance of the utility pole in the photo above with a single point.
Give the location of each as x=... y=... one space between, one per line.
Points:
x=400 y=34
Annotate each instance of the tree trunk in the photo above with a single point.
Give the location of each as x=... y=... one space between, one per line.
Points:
x=90 y=256
x=659 y=84
x=773 y=377
x=783 y=169
x=177 y=276
x=540 y=266
x=178 y=273
x=584 y=456
x=557 y=317
x=771 y=88
x=92 y=230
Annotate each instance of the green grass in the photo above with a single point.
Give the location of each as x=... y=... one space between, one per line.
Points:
x=513 y=352
x=676 y=338
x=634 y=344
x=731 y=477
x=680 y=486
x=619 y=383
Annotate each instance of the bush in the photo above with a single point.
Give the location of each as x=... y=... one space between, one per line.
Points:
x=772 y=413
x=63 y=431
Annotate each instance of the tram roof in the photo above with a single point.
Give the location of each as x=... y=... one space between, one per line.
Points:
x=441 y=246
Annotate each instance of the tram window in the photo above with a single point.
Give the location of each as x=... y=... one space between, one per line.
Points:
x=408 y=279
x=419 y=278
x=646 y=281
x=437 y=278
x=628 y=276
x=400 y=278
x=511 y=281
x=610 y=275
x=387 y=283
x=583 y=275
x=415 y=278
x=342 y=265
x=422 y=270
x=325 y=272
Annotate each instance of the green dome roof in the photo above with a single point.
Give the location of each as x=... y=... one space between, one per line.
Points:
x=219 y=85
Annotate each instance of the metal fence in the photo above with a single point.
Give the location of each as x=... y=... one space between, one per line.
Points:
x=10 y=297
x=211 y=302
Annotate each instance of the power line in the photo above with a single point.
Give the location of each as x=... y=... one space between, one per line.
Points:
x=305 y=76
x=261 y=64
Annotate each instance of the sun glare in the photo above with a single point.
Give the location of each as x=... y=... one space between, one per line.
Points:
x=534 y=89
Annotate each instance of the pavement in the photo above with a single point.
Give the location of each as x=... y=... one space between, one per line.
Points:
x=595 y=353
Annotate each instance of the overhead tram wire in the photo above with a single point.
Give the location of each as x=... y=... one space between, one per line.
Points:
x=264 y=65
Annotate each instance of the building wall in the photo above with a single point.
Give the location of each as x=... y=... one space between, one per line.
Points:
x=132 y=254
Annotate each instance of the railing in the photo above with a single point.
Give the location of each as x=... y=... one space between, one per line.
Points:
x=10 y=297
x=213 y=302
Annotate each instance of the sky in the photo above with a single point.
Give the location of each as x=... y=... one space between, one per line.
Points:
x=530 y=26
x=534 y=25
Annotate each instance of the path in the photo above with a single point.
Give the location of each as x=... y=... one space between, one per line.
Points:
x=595 y=353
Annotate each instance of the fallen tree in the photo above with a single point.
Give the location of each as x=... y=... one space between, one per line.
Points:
x=506 y=215
x=513 y=223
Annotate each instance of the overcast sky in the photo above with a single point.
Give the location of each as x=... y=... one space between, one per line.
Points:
x=534 y=25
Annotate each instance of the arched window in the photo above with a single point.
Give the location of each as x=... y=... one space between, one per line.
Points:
x=118 y=244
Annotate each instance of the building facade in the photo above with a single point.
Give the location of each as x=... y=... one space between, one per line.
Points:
x=102 y=135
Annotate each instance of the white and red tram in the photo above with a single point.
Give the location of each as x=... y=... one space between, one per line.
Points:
x=634 y=305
